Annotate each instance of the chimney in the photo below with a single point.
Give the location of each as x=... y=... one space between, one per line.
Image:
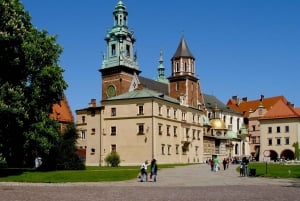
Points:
x=262 y=97
x=290 y=104
x=234 y=98
x=245 y=99
x=92 y=103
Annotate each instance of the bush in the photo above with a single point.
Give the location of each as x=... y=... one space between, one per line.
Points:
x=113 y=159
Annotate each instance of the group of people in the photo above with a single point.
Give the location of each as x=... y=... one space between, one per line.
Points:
x=244 y=167
x=143 y=175
x=214 y=164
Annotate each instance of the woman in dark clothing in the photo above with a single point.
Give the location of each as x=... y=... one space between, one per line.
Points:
x=153 y=170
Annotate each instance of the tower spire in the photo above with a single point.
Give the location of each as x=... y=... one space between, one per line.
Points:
x=161 y=69
x=119 y=66
x=184 y=85
x=120 y=41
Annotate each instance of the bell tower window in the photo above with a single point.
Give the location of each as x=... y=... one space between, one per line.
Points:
x=177 y=67
x=128 y=50
x=113 y=50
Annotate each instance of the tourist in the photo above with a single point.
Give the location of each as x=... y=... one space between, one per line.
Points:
x=153 y=173
x=144 y=173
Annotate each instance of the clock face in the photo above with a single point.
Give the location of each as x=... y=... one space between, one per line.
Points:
x=111 y=91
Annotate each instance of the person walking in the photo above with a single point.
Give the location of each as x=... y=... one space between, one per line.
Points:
x=144 y=173
x=216 y=164
x=224 y=163
x=153 y=173
x=211 y=163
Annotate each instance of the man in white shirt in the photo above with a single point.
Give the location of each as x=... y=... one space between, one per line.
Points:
x=144 y=173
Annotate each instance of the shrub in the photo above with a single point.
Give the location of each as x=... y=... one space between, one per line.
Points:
x=113 y=159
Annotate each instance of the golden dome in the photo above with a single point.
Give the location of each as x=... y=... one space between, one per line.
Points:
x=217 y=124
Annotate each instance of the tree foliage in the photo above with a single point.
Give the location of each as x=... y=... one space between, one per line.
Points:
x=68 y=159
x=31 y=81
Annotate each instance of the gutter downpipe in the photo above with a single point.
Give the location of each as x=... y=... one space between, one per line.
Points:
x=152 y=116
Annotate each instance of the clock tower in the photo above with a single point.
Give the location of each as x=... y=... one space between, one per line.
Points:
x=119 y=65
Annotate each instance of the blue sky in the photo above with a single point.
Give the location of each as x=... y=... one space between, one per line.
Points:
x=242 y=47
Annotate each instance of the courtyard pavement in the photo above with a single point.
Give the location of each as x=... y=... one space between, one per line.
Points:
x=193 y=182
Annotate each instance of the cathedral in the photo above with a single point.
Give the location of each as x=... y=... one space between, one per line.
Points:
x=169 y=118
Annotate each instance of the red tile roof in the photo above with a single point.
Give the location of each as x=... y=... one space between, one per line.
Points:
x=62 y=112
x=245 y=106
x=281 y=110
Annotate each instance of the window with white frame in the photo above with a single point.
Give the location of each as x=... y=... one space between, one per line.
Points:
x=141 y=129
x=141 y=110
x=113 y=111
x=113 y=130
x=83 y=134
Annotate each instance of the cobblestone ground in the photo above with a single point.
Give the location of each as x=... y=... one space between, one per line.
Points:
x=186 y=183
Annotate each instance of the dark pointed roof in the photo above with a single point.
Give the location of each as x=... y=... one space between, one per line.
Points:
x=183 y=50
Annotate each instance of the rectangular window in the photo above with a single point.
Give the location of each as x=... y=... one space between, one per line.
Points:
x=169 y=149
x=287 y=140
x=270 y=141
x=128 y=50
x=278 y=141
x=194 y=134
x=168 y=112
x=141 y=110
x=168 y=130
x=287 y=129
x=113 y=148
x=159 y=110
x=175 y=131
x=253 y=128
x=196 y=150
x=183 y=116
x=187 y=133
x=113 y=111
x=160 y=129
x=163 y=149
x=198 y=134
x=141 y=129
x=82 y=134
x=175 y=117
x=83 y=119
x=113 y=50
x=177 y=149
x=269 y=129
x=113 y=130
x=93 y=131
x=278 y=129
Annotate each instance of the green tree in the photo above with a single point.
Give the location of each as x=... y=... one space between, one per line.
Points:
x=31 y=81
x=297 y=151
x=68 y=159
